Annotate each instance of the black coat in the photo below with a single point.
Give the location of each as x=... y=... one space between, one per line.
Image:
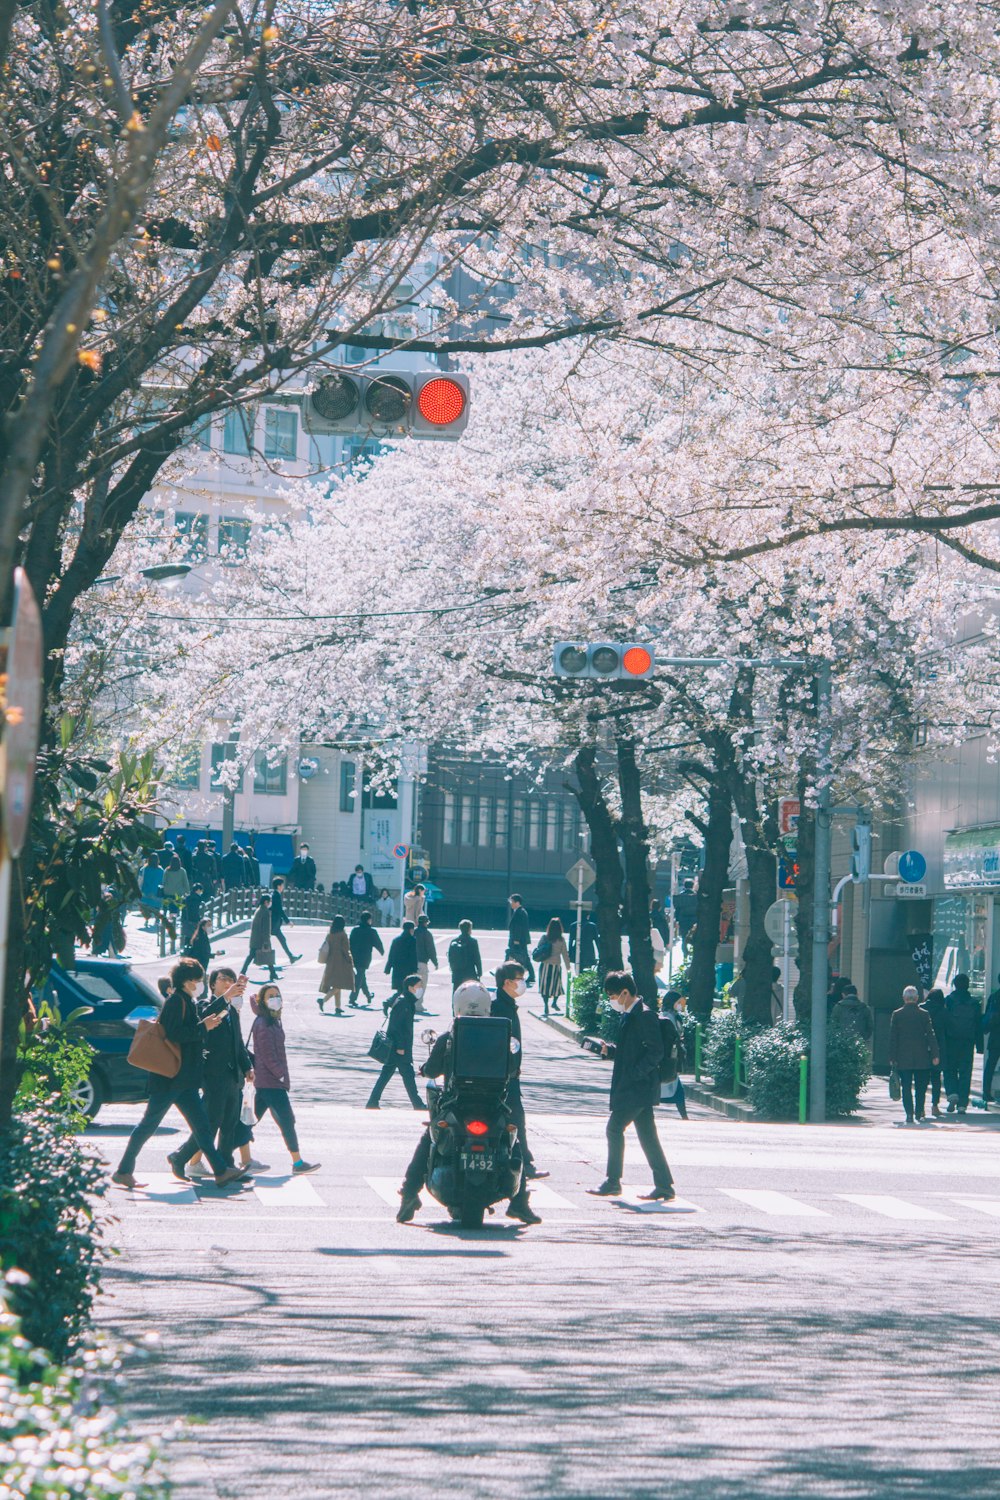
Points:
x=399 y=1031
x=179 y=1018
x=223 y=1048
x=402 y=959
x=278 y=914
x=588 y=944
x=203 y=864
x=464 y=960
x=519 y=928
x=363 y=941
x=963 y=1024
x=234 y=871
x=505 y=1007
x=635 y=1078
x=303 y=874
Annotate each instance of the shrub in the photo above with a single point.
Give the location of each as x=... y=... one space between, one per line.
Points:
x=848 y=1069
x=586 y=996
x=53 y=1063
x=688 y=1025
x=719 y=1054
x=48 y=1180
x=773 y=1071
x=58 y=1437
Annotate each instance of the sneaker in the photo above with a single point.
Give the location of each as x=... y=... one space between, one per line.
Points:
x=606 y=1190
x=231 y=1174
x=198 y=1171
x=522 y=1212
x=303 y=1168
x=937 y=1111
x=408 y=1208
x=535 y=1175
x=177 y=1166
x=257 y=1166
x=952 y=1106
x=920 y=1119
x=658 y=1195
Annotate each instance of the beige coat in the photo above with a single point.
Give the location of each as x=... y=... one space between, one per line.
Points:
x=338 y=974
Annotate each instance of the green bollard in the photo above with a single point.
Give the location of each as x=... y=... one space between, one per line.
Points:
x=737 y=1067
x=803 y=1089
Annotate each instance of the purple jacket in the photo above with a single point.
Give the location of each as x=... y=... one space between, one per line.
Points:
x=270 y=1065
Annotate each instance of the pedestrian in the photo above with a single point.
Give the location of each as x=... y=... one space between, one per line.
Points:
x=150 y=886
x=583 y=942
x=934 y=1006
x=414 y=903
x=386 y=909
x=686 y=912
x=402 y=957
x=991 y=1043
x=279 y=917
x=464 y=958
x=338 y=965
x=852 y=1014
x=191 y=913
x=963 y=1034
x=302 y=875
x=234 y=868
x=510 y=988
x=364 y=941
x=913 y=1051
x=659 y=921
x=183 y=854
x=835 y=990
x=176 y=886
x=672 y=1036
x=261 y=952
x=399 y=1035
x=181 y=1024
x=635 y=1089
x=519 y=937
x=270 y=1070
x=251 y=868
x=360 y=885
x=551 y=955
x=225 y=1066
x=426 y=952
x=203 y=866
x=200 y=946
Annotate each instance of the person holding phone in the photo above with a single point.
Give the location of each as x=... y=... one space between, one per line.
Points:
x=225 y=1066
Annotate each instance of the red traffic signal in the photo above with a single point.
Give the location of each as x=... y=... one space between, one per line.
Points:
x=389 y=403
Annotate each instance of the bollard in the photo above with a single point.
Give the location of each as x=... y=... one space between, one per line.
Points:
x=803 y=1089
x=737 y=1066
x=698 y=1031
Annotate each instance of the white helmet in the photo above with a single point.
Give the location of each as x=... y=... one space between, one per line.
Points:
x=471 y=999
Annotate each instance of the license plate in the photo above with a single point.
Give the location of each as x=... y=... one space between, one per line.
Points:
x=477 y=1161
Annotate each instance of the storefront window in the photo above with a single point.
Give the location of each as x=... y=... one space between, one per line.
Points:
x=961 y=937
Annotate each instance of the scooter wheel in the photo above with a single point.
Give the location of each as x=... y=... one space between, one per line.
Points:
x=472 y=1216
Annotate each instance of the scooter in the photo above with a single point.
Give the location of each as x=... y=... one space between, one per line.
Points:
x=476 y=1158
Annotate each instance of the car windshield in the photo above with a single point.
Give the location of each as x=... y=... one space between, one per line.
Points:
x=103 y=984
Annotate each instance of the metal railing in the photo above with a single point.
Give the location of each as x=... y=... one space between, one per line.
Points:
x=227 y=908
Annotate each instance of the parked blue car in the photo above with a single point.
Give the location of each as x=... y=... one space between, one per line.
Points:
x=120 y=999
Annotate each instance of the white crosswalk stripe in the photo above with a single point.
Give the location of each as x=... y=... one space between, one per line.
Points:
x=544 y=1197
x=387 y=1189
x=779 y=1204
x=989 y=1206
x=282 y=1191
x=164 y=1187
x=894 y=1208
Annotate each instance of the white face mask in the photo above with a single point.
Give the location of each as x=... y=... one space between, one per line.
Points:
x=617 y=1004
x=273 y=1003
x=236 y=1001
x=520 y=987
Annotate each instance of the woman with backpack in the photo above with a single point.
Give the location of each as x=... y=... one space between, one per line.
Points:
x=338 y=965
x=551 y=954
x=464 y=959
x=672 y=1033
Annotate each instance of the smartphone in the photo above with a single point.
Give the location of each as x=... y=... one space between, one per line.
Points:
x=214 y=1007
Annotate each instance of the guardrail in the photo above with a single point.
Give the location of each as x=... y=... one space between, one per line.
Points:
x=226 y=908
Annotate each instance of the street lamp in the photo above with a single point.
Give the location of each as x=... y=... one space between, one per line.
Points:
x=158 y=573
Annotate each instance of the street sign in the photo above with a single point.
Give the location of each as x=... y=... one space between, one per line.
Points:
x=911 y=892
x=912 y=867
x=787 y=870
x=22 y=714
x=788 y=815
x=581 y=875
x=774 y=924
x=400 y=851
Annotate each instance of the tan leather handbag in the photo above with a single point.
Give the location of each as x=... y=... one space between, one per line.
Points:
x=152 y=1051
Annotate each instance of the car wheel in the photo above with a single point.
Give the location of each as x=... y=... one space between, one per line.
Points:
x=89 y=1095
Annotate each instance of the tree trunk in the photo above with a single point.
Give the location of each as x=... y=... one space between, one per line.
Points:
x=635 y=847
x=805 y=860
x=607 y=861
x=718 y=837
x=761 y=873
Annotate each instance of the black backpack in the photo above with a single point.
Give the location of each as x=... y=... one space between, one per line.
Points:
x=673 y=1049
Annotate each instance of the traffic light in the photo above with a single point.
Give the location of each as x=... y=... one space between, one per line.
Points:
x=389 y=403
x=603 y=661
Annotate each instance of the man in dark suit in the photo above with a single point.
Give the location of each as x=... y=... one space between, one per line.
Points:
x=635 y=1089
x=302 y=875
x=226 y=1064
x=587 y=938
x=519 y=937
x=234 y=868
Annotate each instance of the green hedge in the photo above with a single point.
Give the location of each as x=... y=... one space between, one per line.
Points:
x=772 y=1056
x=590 y=1009
x=59 y=1437
x=48 y=1181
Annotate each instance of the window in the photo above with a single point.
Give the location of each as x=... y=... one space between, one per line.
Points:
x=449 y=818
x=237 y=430
x=193 y=532
x=536 y=822
x=95 y=985
x=500 y=825
x=187 y=776
x=485 y=809
x=348 y=777
x=468 y=820
x=220 y=754
x=234 y=538
x=201 y=433
x=518 y=820
x=358 y=450
x=270 y=776
x=281 y=432
x=570 y=828
x=552 y=827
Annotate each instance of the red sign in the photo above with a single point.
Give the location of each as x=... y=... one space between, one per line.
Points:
x=788 y=815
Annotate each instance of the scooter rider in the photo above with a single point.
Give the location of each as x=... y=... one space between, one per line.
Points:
x=469 y=999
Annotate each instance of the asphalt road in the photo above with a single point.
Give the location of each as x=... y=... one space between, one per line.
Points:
x=814 y=1316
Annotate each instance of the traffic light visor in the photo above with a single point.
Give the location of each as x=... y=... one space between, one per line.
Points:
x=572 y=659
x=636 y=661
x=441 y=401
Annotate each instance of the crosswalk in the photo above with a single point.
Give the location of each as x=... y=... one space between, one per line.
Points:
x=273 y=1191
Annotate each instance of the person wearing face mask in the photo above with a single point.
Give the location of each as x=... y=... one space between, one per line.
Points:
x=270 y=1065
x=399 y=1035
x=225 y=1063
x=635 y=1089
x=510 y=988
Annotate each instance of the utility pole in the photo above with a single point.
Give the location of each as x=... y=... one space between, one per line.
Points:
x=821 y=897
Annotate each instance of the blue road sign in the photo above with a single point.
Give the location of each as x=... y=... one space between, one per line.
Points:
x=912 y=867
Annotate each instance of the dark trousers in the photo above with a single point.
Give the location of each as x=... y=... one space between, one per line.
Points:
x=361 y=984
x=189 y=1102
x=645 y=1128
x=516 y=1107
x=990 y=1061
x=404 y=1067
x=914 y=1083
x=678 y=1099
x=279 y=937
x=279 y=1104
x=416 y=1173
x=936 y=1086
x=519 y=953
x=958 y=1076
x=223 y=1093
